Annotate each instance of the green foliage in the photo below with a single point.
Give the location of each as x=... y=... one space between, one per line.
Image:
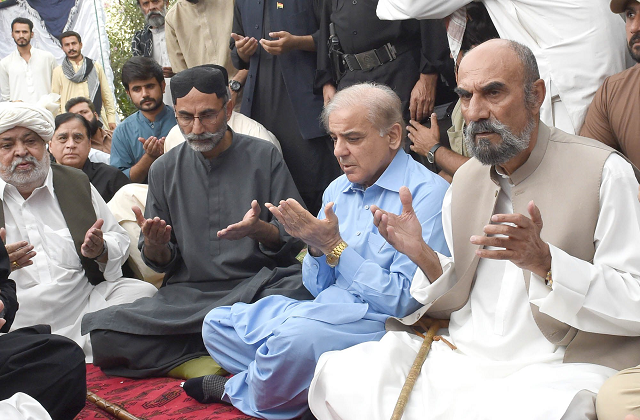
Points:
x=124 y=18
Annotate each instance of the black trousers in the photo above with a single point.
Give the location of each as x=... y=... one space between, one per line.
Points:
x=49 y=368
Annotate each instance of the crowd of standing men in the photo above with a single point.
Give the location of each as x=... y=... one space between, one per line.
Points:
x=429 y=169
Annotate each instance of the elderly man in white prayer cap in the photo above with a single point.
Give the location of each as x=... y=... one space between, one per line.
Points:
x=65 y=247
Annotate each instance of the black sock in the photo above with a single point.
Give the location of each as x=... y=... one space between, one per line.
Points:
x=206 y=389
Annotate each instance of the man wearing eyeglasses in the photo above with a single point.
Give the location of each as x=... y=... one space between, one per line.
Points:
x=139 y=140
x=205 y=227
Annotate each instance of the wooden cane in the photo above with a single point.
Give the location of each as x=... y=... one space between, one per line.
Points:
x=432 y=326
x=116 y=411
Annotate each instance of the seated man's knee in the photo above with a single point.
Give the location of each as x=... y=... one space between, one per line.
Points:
x=620 y=395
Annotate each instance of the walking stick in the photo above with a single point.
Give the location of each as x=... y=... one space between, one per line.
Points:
x=431 y=326
x=118 y=412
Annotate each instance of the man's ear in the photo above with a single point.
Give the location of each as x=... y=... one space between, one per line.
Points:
x=229 y=108
x=395 y=136
x=163 y=85
x=540 y=90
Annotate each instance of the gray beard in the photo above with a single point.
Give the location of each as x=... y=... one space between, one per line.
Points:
x=496 y=154
x=154 y=20
x=26 y=181
x=205 y=142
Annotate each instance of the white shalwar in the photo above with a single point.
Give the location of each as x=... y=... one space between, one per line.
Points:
x=504 y=367
x=54 y=289
x=577 y=44
x=22 y=407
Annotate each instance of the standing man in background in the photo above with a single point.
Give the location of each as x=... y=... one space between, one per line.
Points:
x=198 y=33
x=150 y=41
x=25 y=74
x=81 y=76
x=279 y=90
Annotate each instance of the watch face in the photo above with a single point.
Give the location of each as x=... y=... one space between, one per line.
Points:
x=430 y=157
x=234 y=85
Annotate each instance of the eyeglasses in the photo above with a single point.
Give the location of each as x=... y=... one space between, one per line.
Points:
x=206 y=118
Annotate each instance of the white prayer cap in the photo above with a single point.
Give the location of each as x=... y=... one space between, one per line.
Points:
x=21 y=114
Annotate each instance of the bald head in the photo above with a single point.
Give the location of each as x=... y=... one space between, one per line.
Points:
x=509 y=58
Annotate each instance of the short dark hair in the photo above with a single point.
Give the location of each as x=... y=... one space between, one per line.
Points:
x=479 y=27
x=22 y=20
x=67 y=34
x=78 y=100
x=141 y=68
x=68 y=116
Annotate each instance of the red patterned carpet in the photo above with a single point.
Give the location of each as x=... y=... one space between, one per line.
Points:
x=151 y=399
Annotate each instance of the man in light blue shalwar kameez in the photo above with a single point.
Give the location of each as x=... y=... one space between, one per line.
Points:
x=358 y=279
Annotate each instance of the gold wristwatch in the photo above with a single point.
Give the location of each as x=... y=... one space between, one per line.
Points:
x=334 y=256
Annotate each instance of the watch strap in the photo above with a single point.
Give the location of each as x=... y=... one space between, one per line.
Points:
x=431 y=156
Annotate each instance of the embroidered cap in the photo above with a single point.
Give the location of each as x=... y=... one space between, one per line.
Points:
x=208 y=78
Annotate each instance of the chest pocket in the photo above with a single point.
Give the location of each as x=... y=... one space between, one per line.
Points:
x=380 y=250
x=60 y=249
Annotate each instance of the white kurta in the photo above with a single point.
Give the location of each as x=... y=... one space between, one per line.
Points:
x=22 y=407
x=577 y=45
x=54 y=289
x=502 y=358
x=26 y=81
x=161 y=57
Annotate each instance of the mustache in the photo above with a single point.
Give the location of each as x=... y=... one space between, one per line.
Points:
x=19 y=160
x=484 y=126
x=200 y=137
x=635 y=38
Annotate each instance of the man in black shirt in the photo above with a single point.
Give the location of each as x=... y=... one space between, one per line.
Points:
x=70 y=146
x=408 y=56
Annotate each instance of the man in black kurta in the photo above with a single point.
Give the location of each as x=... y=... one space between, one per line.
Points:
x=279 y=89
x=200 y=195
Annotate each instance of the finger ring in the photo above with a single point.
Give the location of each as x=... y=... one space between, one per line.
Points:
x=16 y=265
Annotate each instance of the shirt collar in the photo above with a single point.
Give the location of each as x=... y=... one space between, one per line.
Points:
x=161 y=115
x=392 y=178
x=535 y=157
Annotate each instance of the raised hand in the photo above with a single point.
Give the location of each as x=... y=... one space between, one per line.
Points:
x=284 y=43
x=93 y=244
x=245 y=46
x=156 y=231
x=298 y=222
x=521 y=242
x=246 y=227
x=402 y=231
x=20 y=253
x=423 y=138
x=153 y=146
